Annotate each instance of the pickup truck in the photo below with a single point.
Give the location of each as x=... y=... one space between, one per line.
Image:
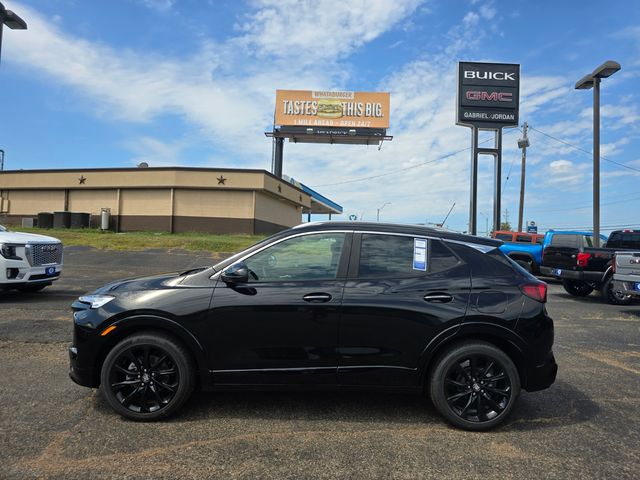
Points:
x=28 y=262
x=524 y=248
x=626 y=273
x=584 y=268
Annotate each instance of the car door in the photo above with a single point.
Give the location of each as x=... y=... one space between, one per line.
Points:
x=281 y=327
x=394 y=304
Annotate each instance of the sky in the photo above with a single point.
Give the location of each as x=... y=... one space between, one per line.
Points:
x=112 y=83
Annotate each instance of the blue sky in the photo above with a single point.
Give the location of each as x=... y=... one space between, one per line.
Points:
x=192 y=83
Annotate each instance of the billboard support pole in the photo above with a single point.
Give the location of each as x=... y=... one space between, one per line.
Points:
x=276 y=161
x=496 y=152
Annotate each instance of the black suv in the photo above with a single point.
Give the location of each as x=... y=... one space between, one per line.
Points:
x=325 y=305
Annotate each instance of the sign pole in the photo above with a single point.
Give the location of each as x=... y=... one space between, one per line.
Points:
x=473 y=219
x=497 y=185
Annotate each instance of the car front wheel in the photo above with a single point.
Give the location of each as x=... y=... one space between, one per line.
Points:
x=474 y=386
x=147 y=376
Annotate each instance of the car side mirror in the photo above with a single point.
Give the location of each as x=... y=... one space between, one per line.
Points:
x=236 y=273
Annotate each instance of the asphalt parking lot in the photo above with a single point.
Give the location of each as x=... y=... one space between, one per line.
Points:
x=586 y=426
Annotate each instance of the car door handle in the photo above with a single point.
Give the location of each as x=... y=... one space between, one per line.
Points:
x=317 y=297
x=438 y=297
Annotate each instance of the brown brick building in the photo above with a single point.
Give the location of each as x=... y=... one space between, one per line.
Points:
x=173 y=199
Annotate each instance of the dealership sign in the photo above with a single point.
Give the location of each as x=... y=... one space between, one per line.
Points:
x=488 y=94
x=305 y=108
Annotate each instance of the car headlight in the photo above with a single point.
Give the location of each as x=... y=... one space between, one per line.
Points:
x=96 y=301
x=9 y=251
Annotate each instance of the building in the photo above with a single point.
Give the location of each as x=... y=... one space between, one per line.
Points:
x=173 y=199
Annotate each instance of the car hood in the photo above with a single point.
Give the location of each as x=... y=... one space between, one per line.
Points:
x=21 y=238
x=152 y=282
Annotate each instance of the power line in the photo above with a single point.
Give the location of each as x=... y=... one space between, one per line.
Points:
x=390 y=172
x=576 y=147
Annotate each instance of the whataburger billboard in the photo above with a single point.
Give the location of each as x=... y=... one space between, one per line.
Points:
x=488 y=94
x=306 y=108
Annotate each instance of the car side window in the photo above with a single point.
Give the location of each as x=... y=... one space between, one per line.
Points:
x=308 y=257
x=392 y=256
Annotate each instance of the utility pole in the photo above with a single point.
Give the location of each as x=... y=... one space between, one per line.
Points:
x=523 y=143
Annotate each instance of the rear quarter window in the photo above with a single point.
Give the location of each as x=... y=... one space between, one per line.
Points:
x=565 y=240
x=490 y=264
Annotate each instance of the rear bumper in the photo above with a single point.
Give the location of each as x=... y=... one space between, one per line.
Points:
x=591 y=277
x=542 y=376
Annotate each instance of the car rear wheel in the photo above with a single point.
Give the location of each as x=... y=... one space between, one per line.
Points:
x=474 y=386
x=612 y=296
x=147 y=376
x=577 y=288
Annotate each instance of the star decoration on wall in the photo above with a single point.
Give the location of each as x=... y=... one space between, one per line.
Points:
x=221 y=180
x=82 y=179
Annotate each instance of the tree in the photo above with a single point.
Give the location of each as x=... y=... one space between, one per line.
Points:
x=505 y=226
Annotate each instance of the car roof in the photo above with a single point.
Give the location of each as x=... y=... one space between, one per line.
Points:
x=417 y=230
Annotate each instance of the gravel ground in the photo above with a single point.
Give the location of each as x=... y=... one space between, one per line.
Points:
x=587 y=425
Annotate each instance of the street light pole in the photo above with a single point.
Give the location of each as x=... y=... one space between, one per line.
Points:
x=378 y=217
x=592 y=80
x=596 y=161
x=11 y=20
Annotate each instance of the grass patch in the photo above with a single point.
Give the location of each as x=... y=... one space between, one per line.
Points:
x=195 y=241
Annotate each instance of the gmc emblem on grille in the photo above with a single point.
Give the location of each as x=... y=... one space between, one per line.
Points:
x=49 y=248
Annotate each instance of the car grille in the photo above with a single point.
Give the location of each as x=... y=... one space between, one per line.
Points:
x=46 y=254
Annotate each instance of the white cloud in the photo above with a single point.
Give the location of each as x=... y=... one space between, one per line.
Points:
x=312 y=30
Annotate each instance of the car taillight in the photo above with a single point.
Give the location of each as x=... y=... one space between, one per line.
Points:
x=582 y=259
x=613 y=264
x=537 y=291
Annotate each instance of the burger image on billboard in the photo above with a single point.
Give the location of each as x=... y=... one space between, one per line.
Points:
x=329 y=108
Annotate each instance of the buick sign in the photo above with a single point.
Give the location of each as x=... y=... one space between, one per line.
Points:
x=488 y=94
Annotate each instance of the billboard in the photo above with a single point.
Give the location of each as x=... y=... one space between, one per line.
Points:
x=306 y=108
x=488 y=94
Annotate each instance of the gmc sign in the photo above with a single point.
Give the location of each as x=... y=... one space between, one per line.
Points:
x=488 y=94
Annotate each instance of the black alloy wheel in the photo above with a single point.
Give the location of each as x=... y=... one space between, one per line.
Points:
x=147 y=376
x=614 y=297
x=475 y=386
x=577 y=288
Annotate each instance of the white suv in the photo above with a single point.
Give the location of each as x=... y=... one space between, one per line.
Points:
x=28 y=262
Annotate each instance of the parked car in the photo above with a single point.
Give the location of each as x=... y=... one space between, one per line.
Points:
x=584 y=268
x=28 y=262
x=523 y=248
x=626 y=273
x=329 y=305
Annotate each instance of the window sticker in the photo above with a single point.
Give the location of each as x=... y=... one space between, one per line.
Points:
x=420 y=254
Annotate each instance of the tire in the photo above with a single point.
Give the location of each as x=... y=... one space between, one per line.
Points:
x=577 y=288
x=31 y=288
x=147 y=376
x=614 y=298
x=474 y=385
x=526 y=265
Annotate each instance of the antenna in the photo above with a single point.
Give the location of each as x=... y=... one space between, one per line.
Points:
x=450 y=210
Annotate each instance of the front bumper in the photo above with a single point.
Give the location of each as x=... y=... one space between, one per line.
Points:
x=81 y=376
x=542 y=376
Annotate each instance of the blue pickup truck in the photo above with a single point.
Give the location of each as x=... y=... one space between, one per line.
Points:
x=526 y=248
